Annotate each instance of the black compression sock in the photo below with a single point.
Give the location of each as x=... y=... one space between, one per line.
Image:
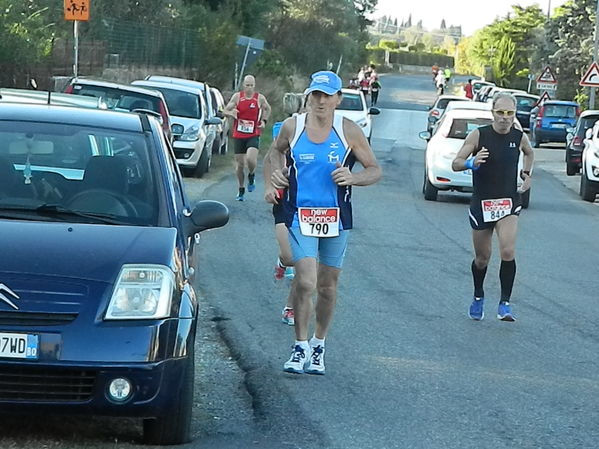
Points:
x=478 y=275
x=241 y=190
x=507 y=274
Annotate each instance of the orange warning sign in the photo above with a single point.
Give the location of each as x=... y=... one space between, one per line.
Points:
x=76 y=10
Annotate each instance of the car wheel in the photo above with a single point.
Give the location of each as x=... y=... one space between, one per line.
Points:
x=174 y=426
x=203 y=164
x=587 y=190
x=429 y=190
x=216 y=145
x=571 y=169
x=526 y=199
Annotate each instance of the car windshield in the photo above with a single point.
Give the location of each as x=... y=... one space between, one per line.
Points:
x=119 y=100
x=87 y=171
x=461 y=127
x=180 y=103
x=351 y=102
x=559 y=110
x=525 y=103
x=442 y=103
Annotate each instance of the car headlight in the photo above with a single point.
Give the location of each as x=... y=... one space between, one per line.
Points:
x=142 y=292
x=192 y=133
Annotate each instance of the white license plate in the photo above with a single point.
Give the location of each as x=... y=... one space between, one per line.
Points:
x=558 y=125
x=18 y=346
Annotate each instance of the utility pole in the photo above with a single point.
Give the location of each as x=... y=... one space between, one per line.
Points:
x=592 y=95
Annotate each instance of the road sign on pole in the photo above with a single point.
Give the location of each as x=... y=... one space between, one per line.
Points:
x=591 y=77
x=547 y=76
x=544 y=97
x=76 y=10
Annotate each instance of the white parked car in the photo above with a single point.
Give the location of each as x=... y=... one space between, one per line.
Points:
x=353 y=106
x=442 y=148
x=589 y=178
x=188 y=108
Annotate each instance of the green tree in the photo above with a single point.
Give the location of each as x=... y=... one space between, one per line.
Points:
x=503 y=63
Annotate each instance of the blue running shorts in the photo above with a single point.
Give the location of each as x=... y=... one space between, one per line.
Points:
x=329 y=251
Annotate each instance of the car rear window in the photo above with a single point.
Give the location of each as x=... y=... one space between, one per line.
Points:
x=586 y=123
x=119 y=100
x=559 y=110
x=350 y=102
x=525 y=103
x=79 y=168
x=461 y=127
x=180 y=103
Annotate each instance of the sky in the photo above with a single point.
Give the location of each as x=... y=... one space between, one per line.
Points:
x=471 y=14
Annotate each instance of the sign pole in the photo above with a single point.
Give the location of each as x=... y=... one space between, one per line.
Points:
x=76 y=48
x=592 y=94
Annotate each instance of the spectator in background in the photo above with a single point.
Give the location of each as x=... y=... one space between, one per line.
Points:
x=468 y=89
x=375 y=87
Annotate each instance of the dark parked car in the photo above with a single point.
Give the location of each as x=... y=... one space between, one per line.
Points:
x=549 y=120
x=97 y=311
x=575 y=140
x=122 y=97
x=524 y=104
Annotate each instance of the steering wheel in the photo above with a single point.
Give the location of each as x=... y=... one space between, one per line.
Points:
x=104 y=202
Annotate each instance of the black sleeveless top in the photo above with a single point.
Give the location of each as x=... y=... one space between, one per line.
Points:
x=497 y=177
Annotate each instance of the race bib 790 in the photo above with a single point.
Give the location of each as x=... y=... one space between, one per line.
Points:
x=319 y=221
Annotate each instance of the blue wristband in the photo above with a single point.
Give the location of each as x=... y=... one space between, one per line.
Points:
x=470 y=164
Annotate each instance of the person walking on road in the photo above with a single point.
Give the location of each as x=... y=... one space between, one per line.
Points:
x=440 y=83
x=250 y=112
x=375 y=87
x=492 y=153
x=468 y=92
x=320 y=149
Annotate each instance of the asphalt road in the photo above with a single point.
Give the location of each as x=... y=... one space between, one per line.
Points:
x=406 y=368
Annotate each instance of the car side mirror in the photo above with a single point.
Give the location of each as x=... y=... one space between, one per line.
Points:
x=214 y=121
x=589 y=133
x=206 y=214
x=425 y=135
x=374 y=111
x=177 y=130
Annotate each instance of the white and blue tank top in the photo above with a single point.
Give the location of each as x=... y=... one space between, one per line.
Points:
x=310 y=167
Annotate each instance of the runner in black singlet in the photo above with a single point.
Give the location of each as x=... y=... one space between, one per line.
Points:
x=492 y=152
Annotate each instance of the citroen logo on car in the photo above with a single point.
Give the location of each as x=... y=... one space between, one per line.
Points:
x=5 y=293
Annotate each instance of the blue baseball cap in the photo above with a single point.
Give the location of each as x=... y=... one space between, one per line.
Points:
x=325 y=81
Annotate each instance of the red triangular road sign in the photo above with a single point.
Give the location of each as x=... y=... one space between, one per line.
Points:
x=547 y=76
x=591 y=78
x=544 y=97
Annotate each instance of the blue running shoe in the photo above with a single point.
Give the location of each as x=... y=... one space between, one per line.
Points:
x=504 y=312
x=240 y=197
x=251 y=182
x=476 y=311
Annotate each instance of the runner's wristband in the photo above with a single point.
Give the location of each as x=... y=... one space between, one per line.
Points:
x=470 y=164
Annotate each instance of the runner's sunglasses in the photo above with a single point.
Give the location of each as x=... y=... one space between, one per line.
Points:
x=504 y=113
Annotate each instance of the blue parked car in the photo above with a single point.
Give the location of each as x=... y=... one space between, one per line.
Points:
x=97 y=311
x=549 y=121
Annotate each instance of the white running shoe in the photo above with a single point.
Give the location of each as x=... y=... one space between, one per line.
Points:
x=298 y=359
x=315 y=363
